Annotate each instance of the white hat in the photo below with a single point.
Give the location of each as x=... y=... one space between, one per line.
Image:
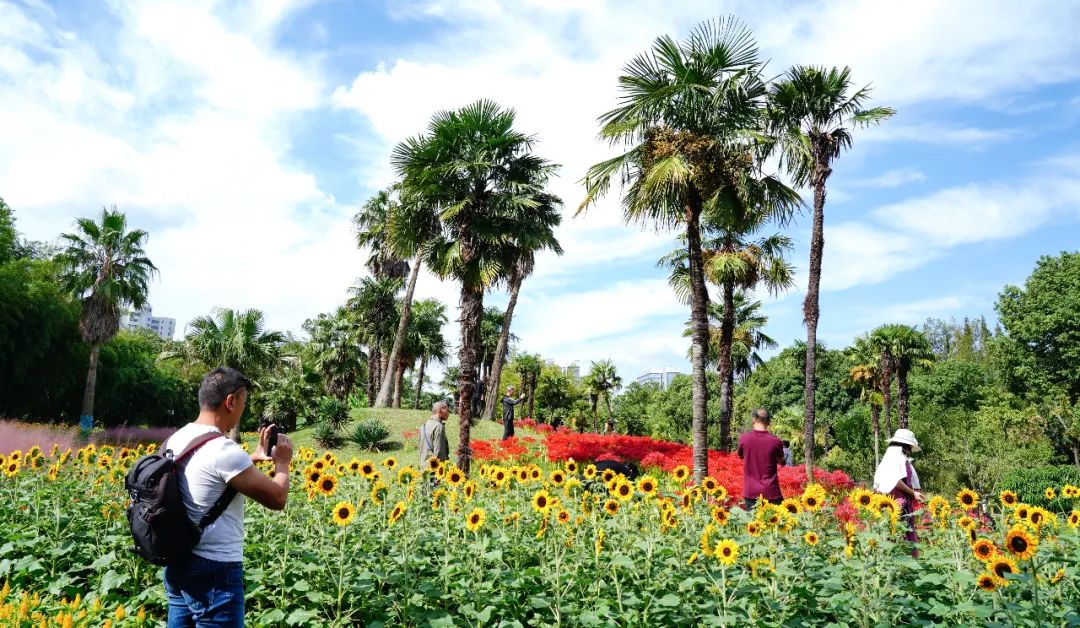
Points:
x=906 y=437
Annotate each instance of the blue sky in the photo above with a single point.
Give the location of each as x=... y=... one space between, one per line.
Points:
x=243 y=136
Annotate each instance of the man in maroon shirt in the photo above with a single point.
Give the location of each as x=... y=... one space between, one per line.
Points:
x=761 y=452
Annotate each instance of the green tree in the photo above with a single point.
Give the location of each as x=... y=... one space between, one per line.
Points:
x=9 y=237
x=535 y=233
x=481 y=178
x=105 y=266
x=686 y=109
x=234 y=338
x=904 y=347
x=529 y=367
x=864 y=375
x=600 y=381
x=425 y=339
x=555 y=393
x=812 y=112
x=337 y=352
x=372 y=309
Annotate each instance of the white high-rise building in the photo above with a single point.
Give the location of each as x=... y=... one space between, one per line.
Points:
x=145 y=319
x=573 y=370
x=660 y=377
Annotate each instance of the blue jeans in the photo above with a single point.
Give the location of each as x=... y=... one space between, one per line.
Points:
x=205 y=593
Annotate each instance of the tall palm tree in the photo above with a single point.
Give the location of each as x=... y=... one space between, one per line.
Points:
x=234 y=338
x=490 y=329
x=407 y=223
x=105 y=266
x=481 y=178
x=812 y=112
x=373 y=232
x=528 y=366
x=601 y=380
x=535 y=233
x=864 y=375
x=426 y=338
x=372 y=307
x=903 y=347
x=735 y=261
x=686 y=110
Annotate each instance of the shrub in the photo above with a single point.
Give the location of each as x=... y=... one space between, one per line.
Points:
x=327 y=436
x=370 y=434
x=333 y=412
x=1031 y=484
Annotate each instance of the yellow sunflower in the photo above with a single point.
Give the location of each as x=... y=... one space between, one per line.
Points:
x=1020 y=543
x=727 y=552
x=647 y=485
x=624 y=490
x=1022 y=511
x=1037 y=516
x=469 y=490
x=791 y=505
x=433 y=464
x=611 y=507
x=535 y=473
x=966 y=522
x=344 y=513
x=367 y=468
x=1058 y=576
x=318 y=465
x=455 y=477
x=557 y=477
x=563 y=517
x=861 y=498
x=389 y=462
x=680 y=473
x=984 y=549
x=1050 y=493
x=1008 y=499
x=1000 y=566
x=12 y=468
x=811 y=538
x=719 y=515
x=607 y=476
x=541 y=501
x=590 y=472
x=1070 y=491
x=499 y=476
x=396 y=513
x=327 y=485
x=1074 y=519
x=709 y=484
x=571 y=466
x=754 y=528
x=475 y=519
x=967 y=499
x=987 y=582
x=406 y=475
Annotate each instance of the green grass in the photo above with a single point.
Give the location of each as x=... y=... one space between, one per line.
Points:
x=399 y=422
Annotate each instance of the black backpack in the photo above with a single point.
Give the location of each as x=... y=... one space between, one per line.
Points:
x=160 y=526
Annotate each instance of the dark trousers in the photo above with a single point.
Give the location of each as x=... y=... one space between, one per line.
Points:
x=508 y=428
x=750 y=502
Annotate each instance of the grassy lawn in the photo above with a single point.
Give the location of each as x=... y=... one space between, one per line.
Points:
x=399 y=422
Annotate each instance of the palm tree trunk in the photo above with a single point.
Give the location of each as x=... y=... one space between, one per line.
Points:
x=886 y=392
x=727 y=331
x=472 y=310
x=420 y=382
x=399 y=380
x=373 y=375
x=595 y=417
x=532 y=393
x=811 y=312
x=91 y=384
x=875 y=417
x=399 y=338
x=699 y=324
x=490 y=399
x=607 y=402
x=902 y=394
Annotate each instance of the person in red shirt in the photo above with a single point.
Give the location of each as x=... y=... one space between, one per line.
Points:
x=762 y=454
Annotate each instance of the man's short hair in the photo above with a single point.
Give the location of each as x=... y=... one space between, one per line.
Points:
x=439 y=405
x=219 y=384
x=761 y=415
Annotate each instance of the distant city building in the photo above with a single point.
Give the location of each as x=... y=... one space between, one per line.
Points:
x=660 y=377
x=145 y=319
x=573 y=370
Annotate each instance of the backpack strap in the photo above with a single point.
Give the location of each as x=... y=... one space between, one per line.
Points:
x=226 y=496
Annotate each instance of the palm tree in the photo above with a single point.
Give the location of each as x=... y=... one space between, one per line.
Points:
x=481 y=178
x=373 y=309
x=736 y=262
x=490 y=329
x=396 y=229
x=337 y=351
x=812 y=113
x=426 y=338
x=528 y=366
x=105 y=266
x=902 y=347
x=536 y=233
x=686 y=110
x=234 y=338
x=865 y=376
x=601 y=380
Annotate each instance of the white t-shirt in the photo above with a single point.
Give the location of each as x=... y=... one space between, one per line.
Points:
x=204 y=478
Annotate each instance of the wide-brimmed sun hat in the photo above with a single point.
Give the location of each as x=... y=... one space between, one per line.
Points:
x=906 y=437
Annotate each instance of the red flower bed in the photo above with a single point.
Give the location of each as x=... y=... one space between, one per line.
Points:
x=499 y=450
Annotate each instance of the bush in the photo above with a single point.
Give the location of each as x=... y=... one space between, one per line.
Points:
x=333 y=412
x=1031 y=484
x=370 y=434
x=327 y=436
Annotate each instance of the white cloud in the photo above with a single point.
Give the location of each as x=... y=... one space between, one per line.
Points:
x=890 y=179
x=936 y=134
x=912 y=312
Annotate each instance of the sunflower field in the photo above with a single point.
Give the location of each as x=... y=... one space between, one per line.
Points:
x=530 y=541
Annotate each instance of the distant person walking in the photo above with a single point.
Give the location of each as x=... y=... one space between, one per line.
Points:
x=433 y=434
x=762 y=454
x=508 y=403
x=897 y=478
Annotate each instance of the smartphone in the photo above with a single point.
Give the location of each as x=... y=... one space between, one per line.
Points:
x=271 y=442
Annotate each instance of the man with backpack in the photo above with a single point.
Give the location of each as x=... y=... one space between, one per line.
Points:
x=207 y=588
